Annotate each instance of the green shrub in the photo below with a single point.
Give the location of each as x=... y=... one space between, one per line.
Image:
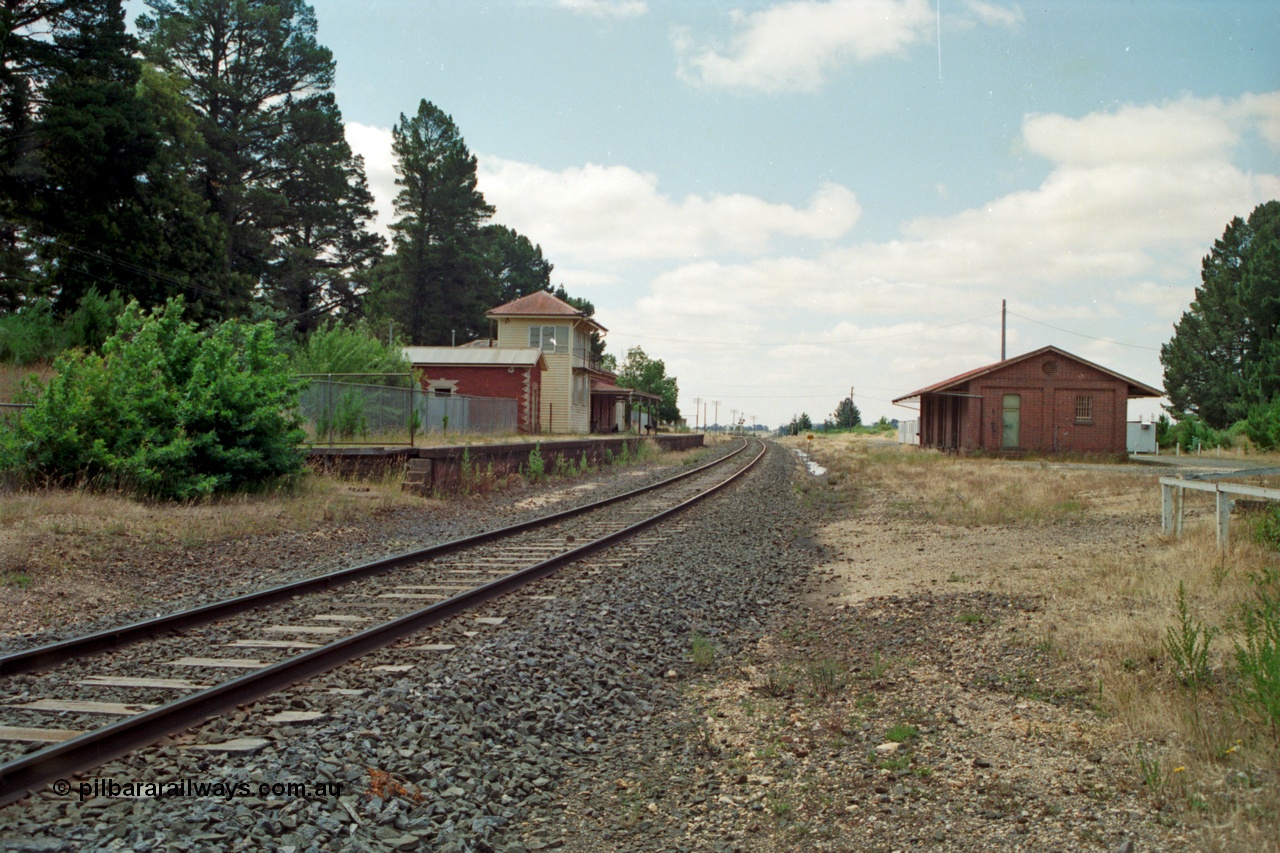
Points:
x=165 y=411
x=1263 y=424
x=1266 y=528
x=30 y=335
x=1192 y=434
x=537 y=466
x=353 y=350
x=1188 y=646
x=1258 y=655
x=34 y=334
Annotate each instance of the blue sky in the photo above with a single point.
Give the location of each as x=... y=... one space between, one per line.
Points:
x=783 y=200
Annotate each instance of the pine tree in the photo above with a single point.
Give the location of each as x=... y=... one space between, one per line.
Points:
x=273 y=168
x=325 y=247
x=1224 y=357
x=436 y=281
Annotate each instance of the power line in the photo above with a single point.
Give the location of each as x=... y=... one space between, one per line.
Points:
x=1083 y=335
x=861 y=340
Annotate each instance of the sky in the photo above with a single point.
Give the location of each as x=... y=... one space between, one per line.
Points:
x=784 y=201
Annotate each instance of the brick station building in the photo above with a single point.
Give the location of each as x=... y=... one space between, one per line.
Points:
x=1046 y=401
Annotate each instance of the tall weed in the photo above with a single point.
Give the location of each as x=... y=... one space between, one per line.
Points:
x=1258 y=653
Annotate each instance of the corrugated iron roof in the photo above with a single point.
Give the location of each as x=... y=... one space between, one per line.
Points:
x=607 y=388
x=1136 y=388
x=475 y=356
x=540 y=304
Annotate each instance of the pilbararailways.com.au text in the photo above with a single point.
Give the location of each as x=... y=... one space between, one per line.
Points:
x=196 y=788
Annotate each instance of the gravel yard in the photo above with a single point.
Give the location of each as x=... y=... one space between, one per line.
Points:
x=805 y=665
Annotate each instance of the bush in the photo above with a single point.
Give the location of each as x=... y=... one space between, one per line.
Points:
x=165 y=411
x=350 y=349
x=30 y=335
x=1191 y=433
x=1258 y=656
x=1263 y=424
x=33 y=334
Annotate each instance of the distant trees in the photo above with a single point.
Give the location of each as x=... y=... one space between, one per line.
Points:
x=643 y=373
x=1224 y=358
x=799 y=423
x=846 y=415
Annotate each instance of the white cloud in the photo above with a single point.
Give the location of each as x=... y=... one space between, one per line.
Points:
x=374 y=145
x=1107 y=244
x=594 y=214
x=995 y=15
x=607 y=8
x=795 y=46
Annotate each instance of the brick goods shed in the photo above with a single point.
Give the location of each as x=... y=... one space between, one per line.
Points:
x=512 y=374
x=1046 y=401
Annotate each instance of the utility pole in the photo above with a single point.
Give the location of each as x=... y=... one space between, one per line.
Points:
x=697 y=403
x=717 y=403
x=1003 y=312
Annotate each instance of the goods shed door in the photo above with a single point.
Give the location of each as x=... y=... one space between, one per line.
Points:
x=1012 y=421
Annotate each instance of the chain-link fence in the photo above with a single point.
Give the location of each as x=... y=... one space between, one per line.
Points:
x=391 y=409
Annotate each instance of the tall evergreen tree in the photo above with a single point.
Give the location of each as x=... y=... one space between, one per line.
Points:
x=1224 y=357
x=94 y=140
x=325 y=247
x=259 y=84
x=436 y=282
x=514 y=263
x=28 y=59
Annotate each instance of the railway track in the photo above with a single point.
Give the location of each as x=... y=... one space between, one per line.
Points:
x=282 y=636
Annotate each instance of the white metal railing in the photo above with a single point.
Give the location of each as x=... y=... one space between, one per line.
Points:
x=1171 y=499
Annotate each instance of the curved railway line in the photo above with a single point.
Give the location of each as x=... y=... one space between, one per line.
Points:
x=294 y=632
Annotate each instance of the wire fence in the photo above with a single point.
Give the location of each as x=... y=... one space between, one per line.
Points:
x=391 y=409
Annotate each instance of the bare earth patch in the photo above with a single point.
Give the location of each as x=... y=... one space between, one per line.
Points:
x=951 y=680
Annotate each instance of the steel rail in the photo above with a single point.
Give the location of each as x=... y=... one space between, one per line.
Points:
x=52 y=654
x=31 y=773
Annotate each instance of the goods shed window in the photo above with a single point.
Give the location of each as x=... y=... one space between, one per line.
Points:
x=549 y=338
x=1084 y=409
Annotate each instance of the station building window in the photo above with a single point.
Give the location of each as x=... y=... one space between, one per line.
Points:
x=552 y=339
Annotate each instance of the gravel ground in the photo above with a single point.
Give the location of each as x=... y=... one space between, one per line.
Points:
x=479 y=747
x=129 y=583
x=774 y=674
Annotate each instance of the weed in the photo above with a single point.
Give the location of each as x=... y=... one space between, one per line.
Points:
x=879 y=666
x=1258 y=657
x=1153 y=775
x=901 y=733
x=956 y=578
x=897 y=762
x=825 y=677
x=970 y=617
x=537 y=470
x=779 y=682
x=702 y=653
x=18 y=580
x=467 y=473
x=1188 y=645
x=564 y=467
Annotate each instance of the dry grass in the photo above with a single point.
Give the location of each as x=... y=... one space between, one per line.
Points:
x=1201 y=759
x=57 y=527
x=12 y=376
